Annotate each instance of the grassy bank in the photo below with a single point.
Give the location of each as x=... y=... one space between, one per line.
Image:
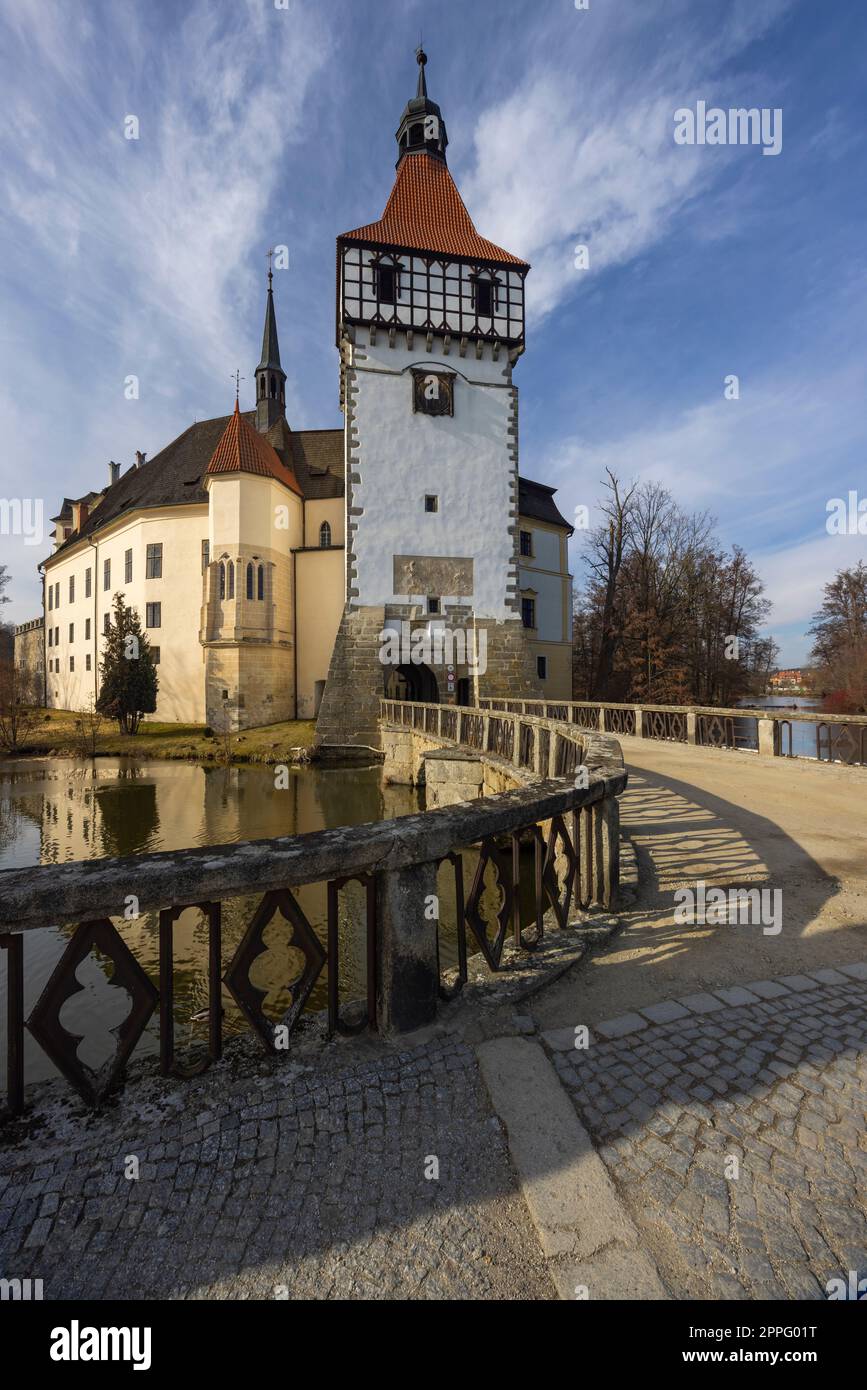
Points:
x=56 y=733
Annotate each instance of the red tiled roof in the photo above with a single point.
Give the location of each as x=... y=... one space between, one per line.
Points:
x=425 y=212
x=241 y=449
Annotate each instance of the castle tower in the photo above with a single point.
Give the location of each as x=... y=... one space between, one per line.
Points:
x=430 y=322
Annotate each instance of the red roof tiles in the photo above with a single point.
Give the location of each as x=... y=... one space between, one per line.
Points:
x=425 y=212
x=241 y=449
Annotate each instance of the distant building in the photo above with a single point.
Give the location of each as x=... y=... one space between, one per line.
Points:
x=794 y=679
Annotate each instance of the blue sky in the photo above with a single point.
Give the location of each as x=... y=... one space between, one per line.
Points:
x=261 y=125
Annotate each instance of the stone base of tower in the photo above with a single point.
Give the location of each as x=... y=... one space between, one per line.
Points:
x=349 y=712
x=510 y=672
x=248 y=685
x=350 y=708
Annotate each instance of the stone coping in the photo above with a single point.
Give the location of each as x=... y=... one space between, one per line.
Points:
x=806 y=716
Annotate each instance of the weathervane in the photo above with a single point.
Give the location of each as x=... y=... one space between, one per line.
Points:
x=238 y=379
x=270 y=255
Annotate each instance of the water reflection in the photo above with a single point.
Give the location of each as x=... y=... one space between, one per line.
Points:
x=57 y=812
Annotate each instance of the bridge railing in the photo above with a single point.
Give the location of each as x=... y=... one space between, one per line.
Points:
x=569 y=823
x=771 y=732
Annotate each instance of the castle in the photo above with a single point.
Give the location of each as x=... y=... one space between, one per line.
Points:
x=270 y=565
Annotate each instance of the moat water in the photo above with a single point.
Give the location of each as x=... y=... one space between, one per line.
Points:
x=54 y=811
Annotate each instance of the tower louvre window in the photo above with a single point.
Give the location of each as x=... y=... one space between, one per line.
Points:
x=231 y=577
x=260 y=582
x=249 y=580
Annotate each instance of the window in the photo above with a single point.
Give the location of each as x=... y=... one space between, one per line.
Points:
x=50 y=597
x=87 y=662
x=72 y=632
x=51 y=637
x=386 y=284
x=231 y=578
x=87 y=582
x=127 y=567
x=154 y=561
x=433 y=605
x=431 y=503
x=260 y=583
x=222 y=580
x=87 y=629
x=72 y=588
x=72 y=663
x=542 y=667
x=325 y=535
x=106 y=574
x=206 y=555
x=57 y=638
x=57 y=594
x=528 y=612
x=153 y=614
x=526 y=542
x=484 y=297
x=106 y=623
x=155 y=655
x=249 y=581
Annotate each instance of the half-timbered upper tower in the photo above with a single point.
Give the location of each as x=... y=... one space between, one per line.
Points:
x=430 y=321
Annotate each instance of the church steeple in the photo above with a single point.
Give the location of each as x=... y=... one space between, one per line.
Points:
x=270 y=376
x=422 y=129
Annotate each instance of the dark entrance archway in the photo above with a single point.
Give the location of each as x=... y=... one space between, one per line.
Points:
x=412 y=683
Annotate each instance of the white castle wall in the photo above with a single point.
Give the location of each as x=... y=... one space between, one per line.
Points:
x=465 y=460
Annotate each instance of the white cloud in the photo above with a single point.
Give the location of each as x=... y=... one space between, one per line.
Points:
x=582 y=151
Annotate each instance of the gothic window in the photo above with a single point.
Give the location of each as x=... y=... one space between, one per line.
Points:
x=324 y=535
x=273 y=387
x=249 y=581
x=260 y=582
x=231 y=579
x=222 y=580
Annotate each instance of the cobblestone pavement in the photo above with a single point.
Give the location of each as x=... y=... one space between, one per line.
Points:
x=780 y=1085
x=283 y=1187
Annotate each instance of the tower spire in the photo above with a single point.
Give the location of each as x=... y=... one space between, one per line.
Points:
x=422 y=129
x=270 y=376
